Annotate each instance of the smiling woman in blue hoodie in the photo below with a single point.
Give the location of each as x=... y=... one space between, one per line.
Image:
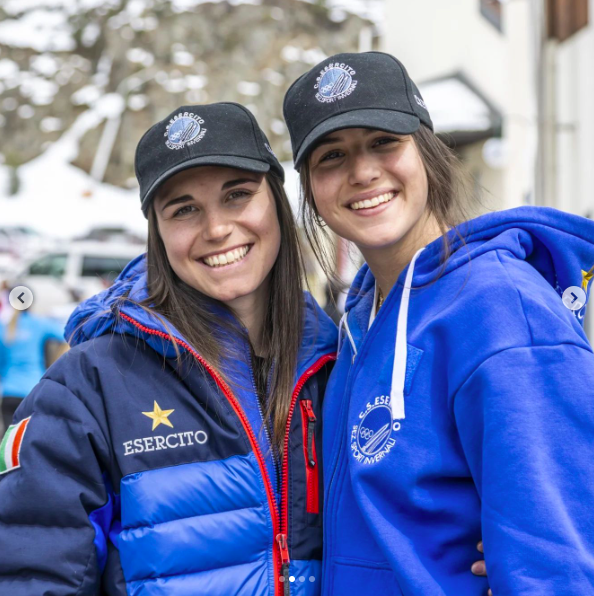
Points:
x=174 y=450
x=462 y=402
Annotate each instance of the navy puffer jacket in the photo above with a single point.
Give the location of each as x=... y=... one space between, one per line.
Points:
x=140 y=474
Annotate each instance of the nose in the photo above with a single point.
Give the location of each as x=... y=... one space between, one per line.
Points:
x=217 y=227
x=363 y=170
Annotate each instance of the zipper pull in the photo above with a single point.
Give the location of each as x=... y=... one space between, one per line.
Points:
x=311 y=423
x=284 y=552
x=284 y=548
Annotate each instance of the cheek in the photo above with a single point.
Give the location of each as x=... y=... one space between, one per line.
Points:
x=325 y=190
x=178 y=242
x=416 y=177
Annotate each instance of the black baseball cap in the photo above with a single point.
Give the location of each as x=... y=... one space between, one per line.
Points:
x=356 y=90
x=218 y=134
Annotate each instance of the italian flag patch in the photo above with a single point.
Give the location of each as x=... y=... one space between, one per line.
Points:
x=10 y=448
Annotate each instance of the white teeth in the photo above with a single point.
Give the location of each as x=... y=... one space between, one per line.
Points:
x=367 y=203
x=226 y=258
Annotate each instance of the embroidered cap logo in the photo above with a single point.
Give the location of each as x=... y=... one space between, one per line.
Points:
x=184 y=129
x=335 y=82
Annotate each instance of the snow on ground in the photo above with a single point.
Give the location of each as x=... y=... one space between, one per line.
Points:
x=61 y=200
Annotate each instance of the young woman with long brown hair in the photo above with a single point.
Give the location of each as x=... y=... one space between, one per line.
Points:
x=461 y=403
x=174 y=450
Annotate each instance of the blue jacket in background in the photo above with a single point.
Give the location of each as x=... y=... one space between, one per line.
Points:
x=466 y=411
x=145 y=475
x=22 y=359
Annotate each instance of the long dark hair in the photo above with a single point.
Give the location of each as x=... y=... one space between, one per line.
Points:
x=448 y=199
x=190 y=311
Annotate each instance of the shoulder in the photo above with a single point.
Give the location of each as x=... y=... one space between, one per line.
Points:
x=493 y=303
x=317 y=325
x=519 y=297
x=90 y=366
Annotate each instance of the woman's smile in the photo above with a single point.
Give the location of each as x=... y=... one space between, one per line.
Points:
x=369 y=206
x=225 y=258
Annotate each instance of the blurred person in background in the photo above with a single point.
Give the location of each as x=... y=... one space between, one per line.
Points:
x=462 y=401
x=24 y=344
x=5 y=308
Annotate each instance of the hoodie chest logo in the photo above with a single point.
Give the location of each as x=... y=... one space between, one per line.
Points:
x=372 y=438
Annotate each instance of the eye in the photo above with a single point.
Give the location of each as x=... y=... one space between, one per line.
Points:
x=385 y=141
x=185 y=210
x=335 y=154
x=238 y=194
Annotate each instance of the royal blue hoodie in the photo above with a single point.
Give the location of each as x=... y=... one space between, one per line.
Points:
x=466 y=412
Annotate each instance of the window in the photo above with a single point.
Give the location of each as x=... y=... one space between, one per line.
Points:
x=491 y=10
x=54 y=265
x=104 y=267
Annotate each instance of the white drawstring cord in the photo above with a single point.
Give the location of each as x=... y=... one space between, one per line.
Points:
x=400 y=352
x=344 y=323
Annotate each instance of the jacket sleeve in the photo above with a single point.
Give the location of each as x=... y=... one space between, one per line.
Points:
x=55 y=509
x=526 y=423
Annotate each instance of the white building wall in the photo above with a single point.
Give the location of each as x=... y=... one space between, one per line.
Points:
x=434 y=38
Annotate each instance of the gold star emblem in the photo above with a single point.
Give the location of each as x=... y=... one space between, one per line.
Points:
x=159 y=416
x=586 y=277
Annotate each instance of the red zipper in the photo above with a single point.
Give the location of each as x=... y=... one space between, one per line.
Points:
x=308 y=421
x=278 y=555
x=284 y=521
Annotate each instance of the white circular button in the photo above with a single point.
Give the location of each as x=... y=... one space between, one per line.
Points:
x=574 y=298
x=21 y=298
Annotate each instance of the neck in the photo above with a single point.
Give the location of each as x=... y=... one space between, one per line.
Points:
x=251 y=311
x=387 y=263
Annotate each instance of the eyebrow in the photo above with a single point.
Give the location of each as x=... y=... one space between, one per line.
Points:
x=182 y=199
x=330 y=140
x=231 y=183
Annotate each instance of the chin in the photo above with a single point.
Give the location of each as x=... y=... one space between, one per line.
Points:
x=377 y=241
x=231 y=295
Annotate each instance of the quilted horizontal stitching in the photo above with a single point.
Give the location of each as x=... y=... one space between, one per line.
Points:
x=140 y=581
x=171 y=521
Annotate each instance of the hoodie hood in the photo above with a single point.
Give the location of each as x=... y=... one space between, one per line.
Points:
x=560 y=246
x=99 y=315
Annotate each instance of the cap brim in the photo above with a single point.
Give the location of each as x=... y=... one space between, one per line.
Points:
x=228 y=161
x=387 y=120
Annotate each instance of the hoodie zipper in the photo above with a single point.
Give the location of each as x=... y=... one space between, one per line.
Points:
x=284 y=519
x=280 y=556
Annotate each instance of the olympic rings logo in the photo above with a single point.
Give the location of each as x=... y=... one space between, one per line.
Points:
x=366 y=433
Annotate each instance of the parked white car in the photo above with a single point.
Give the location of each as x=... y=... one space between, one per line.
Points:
x=77 y=272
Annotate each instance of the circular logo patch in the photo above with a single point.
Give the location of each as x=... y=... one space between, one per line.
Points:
x=184 y=129
x=335 y=82
x=371 y=439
